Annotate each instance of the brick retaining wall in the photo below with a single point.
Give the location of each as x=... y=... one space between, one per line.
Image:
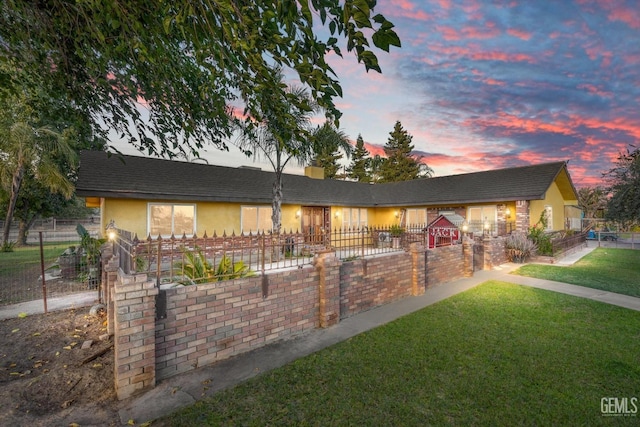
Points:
x=200 y=324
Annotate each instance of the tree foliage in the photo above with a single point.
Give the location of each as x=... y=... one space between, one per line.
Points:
x=164 y=74
x=399 y=164
x=329 y=146
x=275 y=139
x=39 y=138
x=624 y=185
x=359 y=167
x=592 y=201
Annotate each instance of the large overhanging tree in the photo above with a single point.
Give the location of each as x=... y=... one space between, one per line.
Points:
x=624 y=186
x=163 y=74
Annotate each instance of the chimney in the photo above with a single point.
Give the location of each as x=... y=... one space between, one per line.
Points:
x=315 y=172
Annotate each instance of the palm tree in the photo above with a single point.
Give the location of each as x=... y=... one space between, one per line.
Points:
x=25 y=149
x=278 y=130
x=327 y=144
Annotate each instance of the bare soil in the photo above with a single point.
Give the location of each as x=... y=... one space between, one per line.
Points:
x=48 y=378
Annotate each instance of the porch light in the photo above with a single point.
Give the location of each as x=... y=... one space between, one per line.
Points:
x=508 y=213
x=487 y=227
x=112 y=231
x=298 y=213
x=337 y=214
x=465 y=227
x=396 y=214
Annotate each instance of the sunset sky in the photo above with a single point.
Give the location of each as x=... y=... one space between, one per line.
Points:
x=491 y=84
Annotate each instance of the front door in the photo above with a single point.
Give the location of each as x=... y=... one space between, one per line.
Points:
x=316 y=224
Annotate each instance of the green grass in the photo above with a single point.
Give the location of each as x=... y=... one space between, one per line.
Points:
x=613 y=270
x=29 y=256
x=499 y=354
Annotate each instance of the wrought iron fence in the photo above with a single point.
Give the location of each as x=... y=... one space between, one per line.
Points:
x=183 y=260
x=565 y=243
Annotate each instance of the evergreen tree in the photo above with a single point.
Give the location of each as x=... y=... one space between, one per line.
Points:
x=359 y=167
x=399 y=164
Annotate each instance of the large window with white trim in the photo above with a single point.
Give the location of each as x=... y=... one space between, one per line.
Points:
x=548 y=211
x=354 y=218
x=481 y=217
x=165 y=219
x=256 y=218
x=416 y=217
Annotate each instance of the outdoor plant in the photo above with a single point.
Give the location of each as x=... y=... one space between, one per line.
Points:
x=519 y=247
x=198 y=269
x=227 y=270
x=90 y=245
x=89 y=256
x=540 y=237
x=7 y=246
x=195 y=266
x=396 y=230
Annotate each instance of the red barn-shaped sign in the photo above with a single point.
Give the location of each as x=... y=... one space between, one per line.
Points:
x=442 y=232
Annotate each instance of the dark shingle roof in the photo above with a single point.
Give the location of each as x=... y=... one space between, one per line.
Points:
x=156 y=179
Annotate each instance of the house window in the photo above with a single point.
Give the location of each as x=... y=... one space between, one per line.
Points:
x=256 y=218
x=416 y=216
x=354 y=217
x=480 y=217
x=548 y=211
x=168 y=219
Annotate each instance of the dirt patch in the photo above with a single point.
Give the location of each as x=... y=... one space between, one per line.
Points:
x=46 y=376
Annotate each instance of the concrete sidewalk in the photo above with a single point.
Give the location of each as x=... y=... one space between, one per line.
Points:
x=82 y=299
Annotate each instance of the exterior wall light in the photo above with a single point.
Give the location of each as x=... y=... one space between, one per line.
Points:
x=508 y=213
x=298 y=213
x=112 y=231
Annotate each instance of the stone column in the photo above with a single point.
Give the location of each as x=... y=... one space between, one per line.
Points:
x=328 y=267
x=135 y=334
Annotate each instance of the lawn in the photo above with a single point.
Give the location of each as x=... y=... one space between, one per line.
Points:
x=613 y=270
x=499 y=354
x=29 y=256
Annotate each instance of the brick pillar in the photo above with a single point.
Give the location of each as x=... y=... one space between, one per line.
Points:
x=328 y=267
x=418 y=269
x=110 y=265
x=135 y=327
x=488 y=253
x=522 y=216
x=467 y=256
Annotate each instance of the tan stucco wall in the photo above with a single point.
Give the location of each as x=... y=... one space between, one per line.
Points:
x=553 y=198
x=131 y=215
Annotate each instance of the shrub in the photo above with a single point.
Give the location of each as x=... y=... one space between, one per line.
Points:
x=7 y=247
x=196 y=268
x=519 y=247
x=540 y=237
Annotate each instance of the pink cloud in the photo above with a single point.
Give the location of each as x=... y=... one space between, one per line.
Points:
x=405 y=9
x=474 y=52
x=595 y=90
x=521 y=34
